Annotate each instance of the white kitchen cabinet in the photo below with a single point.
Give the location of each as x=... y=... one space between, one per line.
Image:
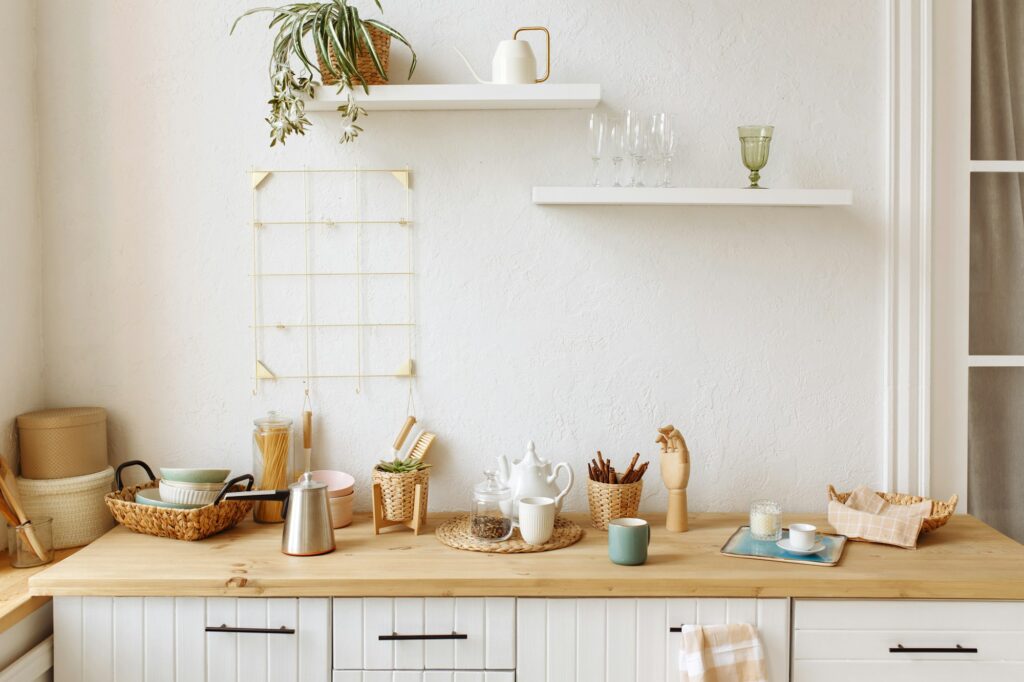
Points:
x=464 y=633
x=425 y=676
x=933 y=641
x=190 y=639
x=629 y=640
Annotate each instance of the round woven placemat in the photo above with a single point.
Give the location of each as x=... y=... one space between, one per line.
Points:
x=455 y=533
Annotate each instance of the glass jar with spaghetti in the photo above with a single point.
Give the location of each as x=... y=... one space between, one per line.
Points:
x=272 y=464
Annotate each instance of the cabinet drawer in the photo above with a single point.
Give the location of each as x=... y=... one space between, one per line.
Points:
x=427 y=676
x=907 y=614
x=917 y=671
x=430 y=633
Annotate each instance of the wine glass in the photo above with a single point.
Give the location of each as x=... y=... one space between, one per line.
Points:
x=595 y=143
x=617 y=144
x=637 y=144
x=755 y=143
x=666 y=141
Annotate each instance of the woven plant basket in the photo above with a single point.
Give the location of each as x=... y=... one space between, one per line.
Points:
x=364 y=62
x=610 y=501
x=74 y=503
x=398 y=493
x=180 y=524
x=940 y=514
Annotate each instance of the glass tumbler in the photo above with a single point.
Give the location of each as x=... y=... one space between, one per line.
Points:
x=766 y=520
x=19 y=545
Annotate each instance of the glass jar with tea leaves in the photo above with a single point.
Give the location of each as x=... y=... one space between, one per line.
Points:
x=490 y=519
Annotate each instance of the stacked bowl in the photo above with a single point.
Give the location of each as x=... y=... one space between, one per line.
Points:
x=184 y=488
x=340 y=487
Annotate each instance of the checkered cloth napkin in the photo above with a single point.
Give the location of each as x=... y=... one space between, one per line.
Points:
x=866 y=516
x=721 y=653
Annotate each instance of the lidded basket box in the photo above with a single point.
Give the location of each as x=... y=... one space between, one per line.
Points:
x=63 y=443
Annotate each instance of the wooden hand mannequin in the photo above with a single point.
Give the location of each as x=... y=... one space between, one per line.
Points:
x=675 y=473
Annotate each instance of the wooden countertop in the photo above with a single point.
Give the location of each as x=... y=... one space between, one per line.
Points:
x=15 y=600
x=964 y=560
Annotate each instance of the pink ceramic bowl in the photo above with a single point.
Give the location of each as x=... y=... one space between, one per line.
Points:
x=339 y=484
x=341 y=510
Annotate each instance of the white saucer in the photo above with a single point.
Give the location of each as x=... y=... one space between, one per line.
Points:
x=785 y=546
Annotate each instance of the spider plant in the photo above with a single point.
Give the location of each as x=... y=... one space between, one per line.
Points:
x=334 y=29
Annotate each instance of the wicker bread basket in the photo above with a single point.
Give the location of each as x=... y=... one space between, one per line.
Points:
x=364 y=62
x=180 y=524
x=398 y=493
x=610 y=501
x=940 y=514
x=75 y=504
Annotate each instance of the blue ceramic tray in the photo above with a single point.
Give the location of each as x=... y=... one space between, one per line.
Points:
x=742 y=544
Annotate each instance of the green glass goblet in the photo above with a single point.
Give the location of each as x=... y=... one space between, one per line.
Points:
x=755 y=142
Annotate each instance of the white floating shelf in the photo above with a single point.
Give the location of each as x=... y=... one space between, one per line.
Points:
x=694 y=196
x=464 y=96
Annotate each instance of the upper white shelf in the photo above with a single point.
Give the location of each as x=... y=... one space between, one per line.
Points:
x=695 y=196
x=464 y=96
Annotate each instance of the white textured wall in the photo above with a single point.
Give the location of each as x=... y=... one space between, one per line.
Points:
x=21 y=356
x=758 y=332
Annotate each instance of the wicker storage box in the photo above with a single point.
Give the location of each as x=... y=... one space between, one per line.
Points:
x=398 y=493
x=610 y=501
x=76 y=505
x=364 y=62
x=63 y=443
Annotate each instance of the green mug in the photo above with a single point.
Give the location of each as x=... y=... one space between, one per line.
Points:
x=628 y=540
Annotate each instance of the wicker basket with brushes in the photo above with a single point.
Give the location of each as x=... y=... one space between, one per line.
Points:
x=364 y=62
x=180 y=524
x=940 y=514
x=612 y=495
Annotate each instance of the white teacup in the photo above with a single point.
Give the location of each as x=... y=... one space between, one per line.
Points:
x=536 y=519
x=802 y=535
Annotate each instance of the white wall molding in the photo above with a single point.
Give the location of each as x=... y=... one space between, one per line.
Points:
x=908 y=249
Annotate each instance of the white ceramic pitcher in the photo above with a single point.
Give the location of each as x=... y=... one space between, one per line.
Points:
x=514 y=62
x=532 y=476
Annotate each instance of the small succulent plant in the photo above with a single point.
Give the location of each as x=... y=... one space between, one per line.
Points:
x=402 y=466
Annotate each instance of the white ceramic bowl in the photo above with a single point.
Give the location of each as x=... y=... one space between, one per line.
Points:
x=189 y=493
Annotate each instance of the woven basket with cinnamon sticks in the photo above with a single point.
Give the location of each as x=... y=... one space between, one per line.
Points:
x=612 y=495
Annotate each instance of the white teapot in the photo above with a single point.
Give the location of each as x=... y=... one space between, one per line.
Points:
x=532 y=476
x=514 y=61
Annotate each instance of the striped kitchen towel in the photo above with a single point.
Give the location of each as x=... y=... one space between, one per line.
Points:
x=866 y=516
x=721 y=653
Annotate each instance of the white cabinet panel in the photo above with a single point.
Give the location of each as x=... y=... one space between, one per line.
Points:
x=888 y=671
x=98 y=639
x=488 y=627
x=128 y=639
x=628 y=640
x=189 y=638
x=159 y=627
x=314 y=650
x=423 y=676
x=221 y=647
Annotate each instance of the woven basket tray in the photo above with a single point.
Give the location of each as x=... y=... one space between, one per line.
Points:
x=940 y=514
x=612 y=501
x=455 y=533
x=180 y=524
x=364 y=62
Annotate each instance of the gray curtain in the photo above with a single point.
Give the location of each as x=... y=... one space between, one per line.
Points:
x=996 y=395
x=997 y=80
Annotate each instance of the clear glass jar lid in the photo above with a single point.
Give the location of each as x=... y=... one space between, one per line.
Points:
x=491 y=489
x=273 y=420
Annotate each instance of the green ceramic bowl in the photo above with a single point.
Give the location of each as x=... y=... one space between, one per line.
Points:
x=195 y=475
x=151 y=497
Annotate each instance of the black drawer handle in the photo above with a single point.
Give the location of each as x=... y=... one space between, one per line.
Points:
x=252 y=631
x=395 y=637
x=900 y=649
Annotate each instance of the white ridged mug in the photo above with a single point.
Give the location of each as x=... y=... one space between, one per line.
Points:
x=536 y=519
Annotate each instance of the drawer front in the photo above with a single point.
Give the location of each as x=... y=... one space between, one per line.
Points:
x=268 y=640
x=919 y=671
x=424 y=634
x=426 y=676
x=908 y=640
x=629 y=640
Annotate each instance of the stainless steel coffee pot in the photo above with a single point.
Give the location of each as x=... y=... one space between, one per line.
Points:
x=307 y=515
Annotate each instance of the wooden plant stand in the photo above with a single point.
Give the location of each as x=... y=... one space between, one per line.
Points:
x=415 y=523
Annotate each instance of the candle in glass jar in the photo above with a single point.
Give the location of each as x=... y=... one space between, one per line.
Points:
x=766 y=520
